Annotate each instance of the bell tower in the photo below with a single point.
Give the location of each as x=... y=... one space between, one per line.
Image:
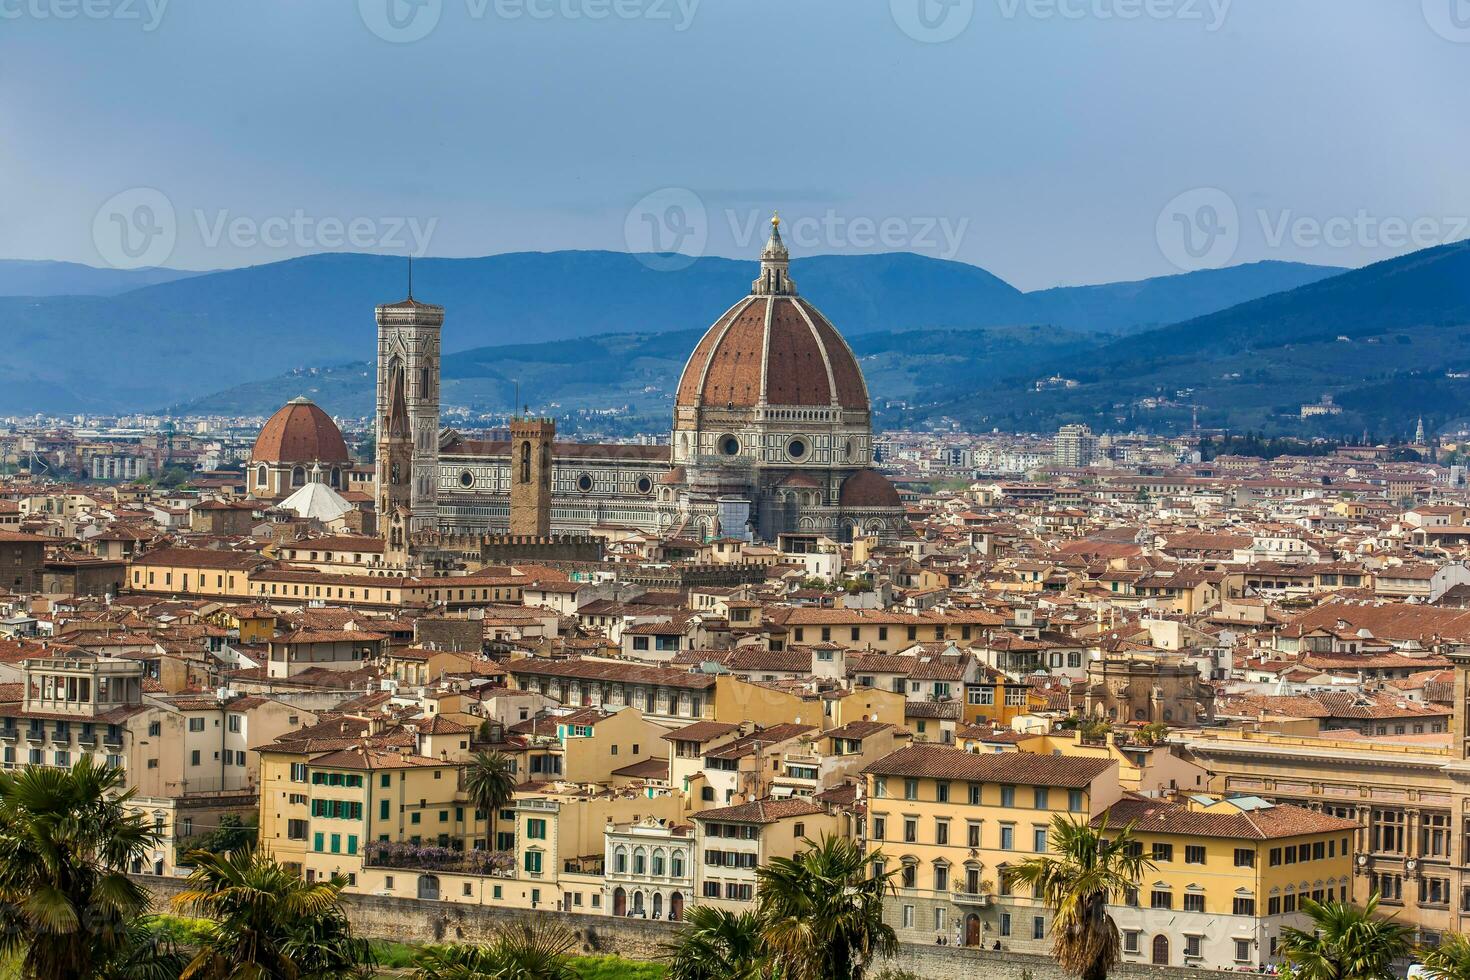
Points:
x=408 y=419
x=530 y=475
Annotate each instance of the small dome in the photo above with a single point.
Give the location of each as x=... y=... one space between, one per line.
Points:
x=300 y=433
x=868 y=488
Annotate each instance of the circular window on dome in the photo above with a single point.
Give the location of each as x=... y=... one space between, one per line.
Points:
x=729 y=446
x=796 y=449
x=645 y=485
x=467 y=479
x=584 y=483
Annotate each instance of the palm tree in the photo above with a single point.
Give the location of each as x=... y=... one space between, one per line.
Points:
x=821 y=912
x=1076 y=883
x=269 y=923
x=1450 y=960
x=148 y=953
x=528 y=951
x=490 y=781
x=66 y=841
x=716 y=945
x=1345 y=943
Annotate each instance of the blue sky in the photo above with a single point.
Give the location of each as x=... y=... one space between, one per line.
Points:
x=1046 y=140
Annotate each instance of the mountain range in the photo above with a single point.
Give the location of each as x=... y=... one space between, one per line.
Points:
x=1389 y=343
x=27 y=277
x=177 y=343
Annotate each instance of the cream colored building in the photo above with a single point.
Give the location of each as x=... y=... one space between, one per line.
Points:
x=732 y=842
x=951 y=822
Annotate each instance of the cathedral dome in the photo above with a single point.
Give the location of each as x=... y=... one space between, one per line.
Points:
x=300 y=433
x=772 y=348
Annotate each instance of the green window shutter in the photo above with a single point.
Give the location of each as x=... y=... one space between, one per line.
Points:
x=382 y=809
x=317 y=843
x=336 y=843
x=351 y=843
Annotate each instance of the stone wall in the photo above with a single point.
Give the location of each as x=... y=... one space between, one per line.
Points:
x=412 y=921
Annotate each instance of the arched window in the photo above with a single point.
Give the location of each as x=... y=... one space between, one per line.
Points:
x=298 y=476
x=658 y=861
x=526 y=462
x=261 y=474
x=676 y=866
x=640 y=861
x=620 y=860
x=336 y=478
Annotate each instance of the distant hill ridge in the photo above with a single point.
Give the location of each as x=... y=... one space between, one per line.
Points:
x=211 y=332
x=1390 y=342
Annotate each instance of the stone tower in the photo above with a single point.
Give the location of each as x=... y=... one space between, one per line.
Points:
x=530 y=475
x=408 y=419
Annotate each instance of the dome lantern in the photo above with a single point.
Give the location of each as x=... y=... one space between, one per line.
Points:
x=775 y=277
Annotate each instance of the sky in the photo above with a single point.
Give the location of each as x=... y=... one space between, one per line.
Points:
x=1051 y=142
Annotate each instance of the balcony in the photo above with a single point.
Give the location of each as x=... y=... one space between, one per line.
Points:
x=979 y=900
x=87 y=739
x=978 y=894
x=35 y=735
x=9 y=734
x=113 y=741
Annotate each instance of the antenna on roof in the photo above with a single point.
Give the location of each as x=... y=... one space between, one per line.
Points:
x=410 y=275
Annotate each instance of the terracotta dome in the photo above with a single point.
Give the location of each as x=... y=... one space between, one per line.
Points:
x=772 y=348
x=868 y=488
x=777 y=350
x=300 y=433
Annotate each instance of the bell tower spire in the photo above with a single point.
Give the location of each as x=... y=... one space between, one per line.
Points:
x=408 y=418
x=775 y=277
